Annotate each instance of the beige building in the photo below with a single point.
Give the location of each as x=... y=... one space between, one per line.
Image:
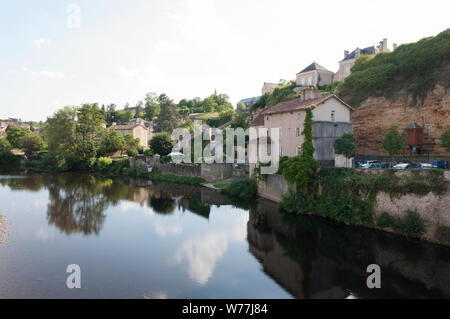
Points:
x=137 y=130
x=314 y=75
x=331 y=118
x=345 y=65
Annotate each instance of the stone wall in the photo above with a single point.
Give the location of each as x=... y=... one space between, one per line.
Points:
x=273 y=188
x=434 y=209
x=376 y=115
x=181 y=170
x=216 y=172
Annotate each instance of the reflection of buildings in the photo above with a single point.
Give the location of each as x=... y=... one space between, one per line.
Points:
x=313 y=258
x=303 y=278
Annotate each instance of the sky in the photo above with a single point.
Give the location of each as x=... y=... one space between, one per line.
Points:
x=55 y=53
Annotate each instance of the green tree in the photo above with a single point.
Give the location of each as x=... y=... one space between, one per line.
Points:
x=139 y=110
x=161 y=144
x=15 y=135
x=131 y=142
x=445 y=140
x=345 y=145
x=123 y=116
x=59 y=132
x=393 y=141
x=152 y=107
x=32 y=143
x=168 y=115
x=241 y=107
x=5 y=146
x=209 y=105
x=89 y=133
x=112 y=142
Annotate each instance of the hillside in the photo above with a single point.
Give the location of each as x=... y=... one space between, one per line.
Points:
x=411 y=71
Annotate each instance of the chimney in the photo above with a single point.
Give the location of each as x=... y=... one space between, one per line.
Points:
x=346 y=53
x=385 y=45
x=395 y=46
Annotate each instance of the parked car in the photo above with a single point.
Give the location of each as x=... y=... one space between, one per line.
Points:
x=368 y=163
x=375 y=166
x=428 y=166
x=401 y=166
x=439 y=164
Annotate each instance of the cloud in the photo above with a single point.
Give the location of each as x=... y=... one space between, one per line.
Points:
x=39 y=43
x=48 y=74
x=163 y=231
x=202 y=253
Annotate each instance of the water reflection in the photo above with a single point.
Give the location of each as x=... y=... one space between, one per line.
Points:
x=206 y=249
x=77 y=202
x=314 y=258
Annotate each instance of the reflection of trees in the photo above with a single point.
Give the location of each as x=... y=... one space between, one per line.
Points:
x=30 y=183
x=163 y=206
x=77 y=205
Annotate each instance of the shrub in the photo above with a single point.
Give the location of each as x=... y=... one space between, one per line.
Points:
x=416 y=67
x=385 y=220
x=242 y=188
x=411 y=224
x=103 y=163
x=148 y=152
x=132 y=152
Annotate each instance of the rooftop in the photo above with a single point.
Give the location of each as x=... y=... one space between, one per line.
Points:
x=299 y=104
x=368 y=51
x=314 y=66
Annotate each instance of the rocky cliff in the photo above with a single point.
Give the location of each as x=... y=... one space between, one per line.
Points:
x=377 y=114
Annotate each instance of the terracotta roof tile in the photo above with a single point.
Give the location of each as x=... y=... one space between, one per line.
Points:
x=298 y=104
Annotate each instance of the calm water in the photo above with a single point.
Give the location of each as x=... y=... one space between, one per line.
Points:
x=134 y=239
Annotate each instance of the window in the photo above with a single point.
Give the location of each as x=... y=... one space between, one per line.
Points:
x=297 y=132
x=281 y=150
x=347 y=69
x=310 y=81
x=332 y=116
x=299 y=150
x=299 y=116
x=303 y=81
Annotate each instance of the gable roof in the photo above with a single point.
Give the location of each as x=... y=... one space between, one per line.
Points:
x=298 y=104
x=367 y=51
x=314 y=66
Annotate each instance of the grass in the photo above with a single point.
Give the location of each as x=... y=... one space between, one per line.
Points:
x=385 y=220
x=411 y=224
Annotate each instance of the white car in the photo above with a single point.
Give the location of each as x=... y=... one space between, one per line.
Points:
x=401 y=166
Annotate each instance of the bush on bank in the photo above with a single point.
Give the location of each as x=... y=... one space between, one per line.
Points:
x=349 y=196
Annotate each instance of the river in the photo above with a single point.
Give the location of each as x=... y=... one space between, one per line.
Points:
x=138 y=239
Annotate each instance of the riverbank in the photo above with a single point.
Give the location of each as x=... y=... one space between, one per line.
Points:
x=410 y=203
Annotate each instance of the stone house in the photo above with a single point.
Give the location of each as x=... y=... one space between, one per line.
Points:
x=331 y=119
x=137 y=130
x=146 y=124
x=314 y=75
x=345 y=65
